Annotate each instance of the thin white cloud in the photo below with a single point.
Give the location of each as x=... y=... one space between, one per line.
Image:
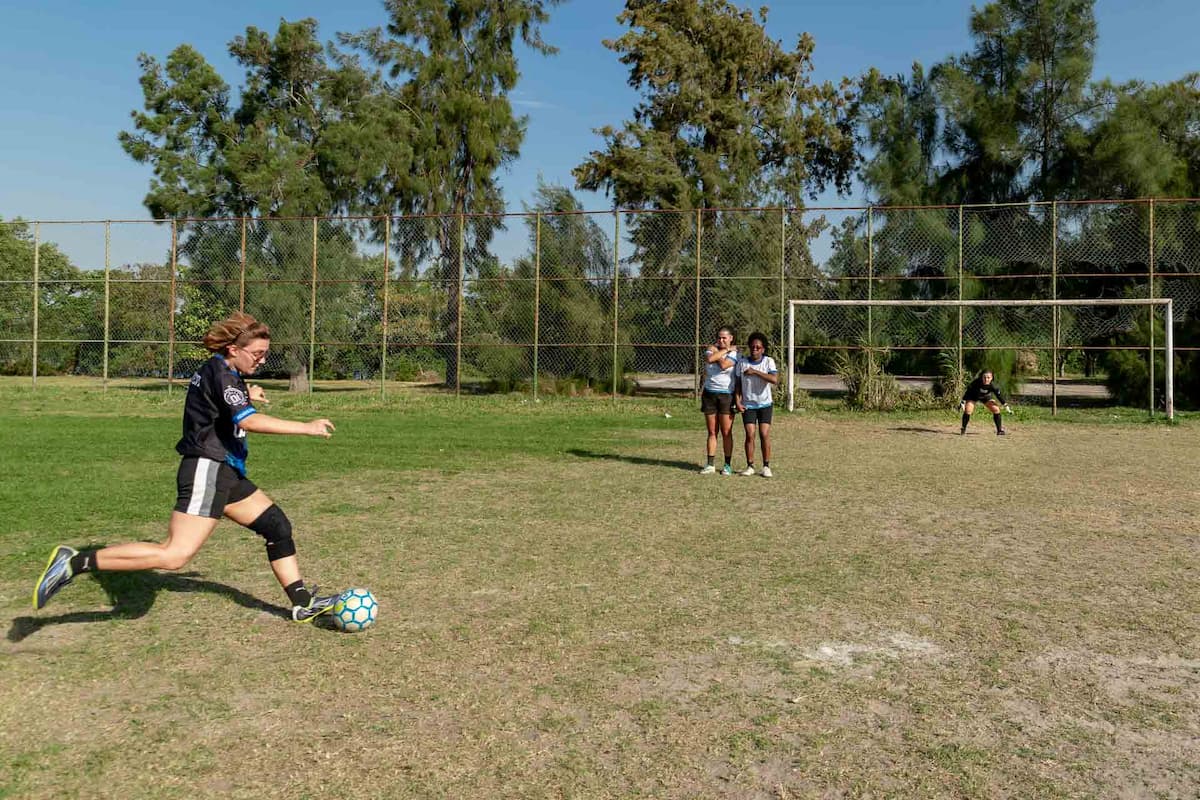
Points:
x=522 y=100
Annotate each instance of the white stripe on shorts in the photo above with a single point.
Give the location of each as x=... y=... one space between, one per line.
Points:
x=204 y=487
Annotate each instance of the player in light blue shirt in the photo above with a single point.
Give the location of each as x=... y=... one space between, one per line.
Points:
x=716 y=401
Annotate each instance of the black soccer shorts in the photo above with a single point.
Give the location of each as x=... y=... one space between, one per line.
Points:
x=206 y=486
x=757 y=416
x=717 y=403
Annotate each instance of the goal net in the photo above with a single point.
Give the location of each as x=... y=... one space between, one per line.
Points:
x=1048 y=334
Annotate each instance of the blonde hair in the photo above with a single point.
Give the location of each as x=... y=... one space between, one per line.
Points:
x=238 y=329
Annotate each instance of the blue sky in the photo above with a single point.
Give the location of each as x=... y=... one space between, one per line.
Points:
x=70 y=77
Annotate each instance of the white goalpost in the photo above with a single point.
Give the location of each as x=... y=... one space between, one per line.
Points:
x=1056 y=306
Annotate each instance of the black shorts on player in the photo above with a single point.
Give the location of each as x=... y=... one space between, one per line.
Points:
x=758 y=416
x=717 y=403
x=205 y=487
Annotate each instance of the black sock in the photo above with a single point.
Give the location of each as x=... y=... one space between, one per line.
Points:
x=727 y=458
x=996 y=419
x=82 y=562
x=966 y=419
x=710 y=460
x=766 y=463
x=298 y=593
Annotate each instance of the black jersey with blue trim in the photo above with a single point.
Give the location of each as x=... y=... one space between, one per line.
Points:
x=217 y=400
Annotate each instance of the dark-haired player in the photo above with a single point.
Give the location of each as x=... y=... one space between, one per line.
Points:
x=212 y=478
x=756 y=375
x=983 y=390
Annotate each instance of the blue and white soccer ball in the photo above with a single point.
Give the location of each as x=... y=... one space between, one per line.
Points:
x=355 y=610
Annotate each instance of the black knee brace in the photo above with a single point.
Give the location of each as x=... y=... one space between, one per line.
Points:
x=274 y=526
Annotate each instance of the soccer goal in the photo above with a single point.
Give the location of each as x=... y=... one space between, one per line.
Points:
x=1053 y=328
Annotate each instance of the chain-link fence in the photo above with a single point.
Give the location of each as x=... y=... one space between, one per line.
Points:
x=578 y=301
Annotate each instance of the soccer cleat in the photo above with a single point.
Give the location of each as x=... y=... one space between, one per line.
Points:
x=962 y=431
x=726 y=470
x=316 y=607
x=766 y=472
x=708 y=469
x=1002 y=432
x=56 y=575
x=747 y=471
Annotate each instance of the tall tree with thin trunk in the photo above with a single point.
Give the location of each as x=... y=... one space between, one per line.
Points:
x=451 y=66
x=729 y=117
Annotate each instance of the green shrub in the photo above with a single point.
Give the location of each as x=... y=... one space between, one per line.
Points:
x=868 y=387
x=952 y=379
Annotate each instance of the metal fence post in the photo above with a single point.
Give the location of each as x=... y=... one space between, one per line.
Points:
x=387 y=275
x=242 y=279
x=791 y=357
x=458 y=323
x=1150 y=309
x=696 y=382
x=107 y=241
x=537 y=295
x=782 y=271
x=960 y=289
x=870 y=274
x=1055 y=318
x=312 y=314
x=616 y=293
x=37 y=250
x=173 y=301
x=1170 y=360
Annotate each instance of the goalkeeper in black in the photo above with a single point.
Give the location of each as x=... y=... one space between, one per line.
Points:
x=983 y=390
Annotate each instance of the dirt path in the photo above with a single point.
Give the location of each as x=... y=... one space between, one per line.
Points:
x=832 y=384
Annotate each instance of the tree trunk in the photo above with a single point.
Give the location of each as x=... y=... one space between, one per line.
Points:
x=298 y=379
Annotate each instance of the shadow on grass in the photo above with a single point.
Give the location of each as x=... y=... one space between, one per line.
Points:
x=924 y=430
x=653 y=462
x=134 y=593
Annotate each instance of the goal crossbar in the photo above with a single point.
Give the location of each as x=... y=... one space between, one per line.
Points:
x=1165 y=302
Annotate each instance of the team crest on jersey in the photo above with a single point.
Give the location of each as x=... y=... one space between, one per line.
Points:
x=196 y=379
x=235 y=396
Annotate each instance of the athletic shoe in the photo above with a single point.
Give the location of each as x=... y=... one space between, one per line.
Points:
x=747 y=471
x=766 y=473
x=962 y=431
x=56 y=575
x=1002 y=432
x=316 y=606
x=708 y=469
x=726 y=470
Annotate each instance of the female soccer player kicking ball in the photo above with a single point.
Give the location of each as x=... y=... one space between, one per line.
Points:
x=212 y=480
x=983 y=390
x=756 y=375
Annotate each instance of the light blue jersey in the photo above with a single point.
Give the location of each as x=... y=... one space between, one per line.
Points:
x=718 y=379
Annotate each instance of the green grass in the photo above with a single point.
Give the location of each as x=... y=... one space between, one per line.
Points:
x=568 y=610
